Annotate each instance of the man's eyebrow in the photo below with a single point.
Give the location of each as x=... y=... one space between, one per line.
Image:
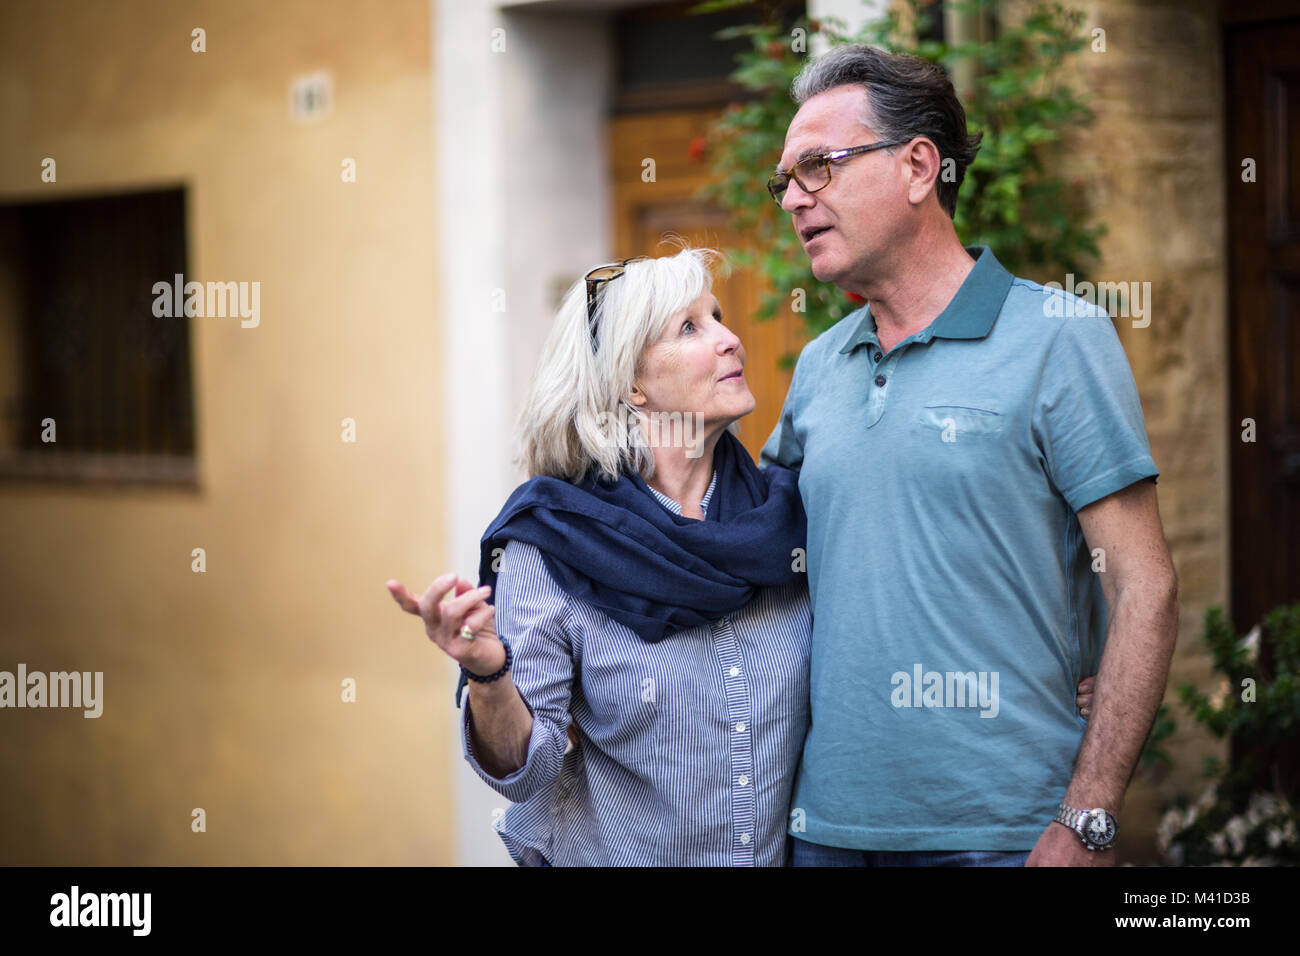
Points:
x=810 y=151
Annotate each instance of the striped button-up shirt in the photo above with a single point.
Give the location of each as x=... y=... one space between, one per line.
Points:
x=687 y=748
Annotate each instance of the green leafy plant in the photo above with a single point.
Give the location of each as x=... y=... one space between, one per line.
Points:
x=1014 y=199
x=1247 y=814
x=1154 y=756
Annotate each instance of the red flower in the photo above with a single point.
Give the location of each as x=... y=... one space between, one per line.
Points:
x=699 y=146
x=776 y=49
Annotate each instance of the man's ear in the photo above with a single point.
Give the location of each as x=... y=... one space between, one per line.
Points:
x=924 y=164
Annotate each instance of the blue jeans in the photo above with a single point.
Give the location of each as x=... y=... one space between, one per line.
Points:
x=815 y=854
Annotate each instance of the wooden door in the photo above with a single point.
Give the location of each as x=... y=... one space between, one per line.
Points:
x=1263 y=110
x=644 y=212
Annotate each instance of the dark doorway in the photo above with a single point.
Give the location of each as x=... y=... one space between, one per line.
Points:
x=1262 y=69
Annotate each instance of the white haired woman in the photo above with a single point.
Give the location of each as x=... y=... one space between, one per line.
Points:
x=646 y=595
x=646 y=588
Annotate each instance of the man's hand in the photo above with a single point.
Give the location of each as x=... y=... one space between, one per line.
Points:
x=1060 y=846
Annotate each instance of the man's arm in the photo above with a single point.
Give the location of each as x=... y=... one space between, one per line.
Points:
x=1141 y=590
x=783 y=446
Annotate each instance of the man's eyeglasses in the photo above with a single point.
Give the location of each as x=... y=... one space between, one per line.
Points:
x=594 y=278
x=814 y=173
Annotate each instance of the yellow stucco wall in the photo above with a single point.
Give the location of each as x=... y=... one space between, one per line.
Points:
x=222 y=689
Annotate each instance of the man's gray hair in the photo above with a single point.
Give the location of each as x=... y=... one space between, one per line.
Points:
x=906 y=97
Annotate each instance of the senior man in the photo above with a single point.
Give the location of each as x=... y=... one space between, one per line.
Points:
x=980 y=494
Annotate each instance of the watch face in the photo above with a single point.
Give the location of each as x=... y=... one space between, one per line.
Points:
x=1099 y=827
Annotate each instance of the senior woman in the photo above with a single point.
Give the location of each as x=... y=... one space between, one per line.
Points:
x=646 y=596
x=646 y=588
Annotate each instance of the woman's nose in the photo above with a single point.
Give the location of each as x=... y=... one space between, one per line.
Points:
x=728 y=341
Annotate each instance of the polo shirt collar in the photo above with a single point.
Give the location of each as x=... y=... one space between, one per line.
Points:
x=970 y=314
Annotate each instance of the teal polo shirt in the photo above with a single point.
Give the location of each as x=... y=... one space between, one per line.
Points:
x=955 y=608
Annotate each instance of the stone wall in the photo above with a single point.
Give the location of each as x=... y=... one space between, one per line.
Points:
x=1153 y=165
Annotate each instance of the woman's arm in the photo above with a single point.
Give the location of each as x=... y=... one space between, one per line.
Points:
x=514 y=729
x=503 y=723
x=500 y=726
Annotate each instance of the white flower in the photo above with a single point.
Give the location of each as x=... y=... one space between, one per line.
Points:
x=1170 y=825
x=1220 y=695
x=1237 y=831
x=1274 y=837
x=1263 y=806
x=1175 y=854
x=1250 y=644
x=1219 y=844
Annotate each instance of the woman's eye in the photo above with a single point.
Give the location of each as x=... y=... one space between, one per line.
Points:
x=688 y=324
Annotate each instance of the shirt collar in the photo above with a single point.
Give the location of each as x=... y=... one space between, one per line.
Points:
x=675 y=506
x=970 y=314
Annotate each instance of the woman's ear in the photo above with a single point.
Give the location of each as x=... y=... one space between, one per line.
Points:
x=636 y=396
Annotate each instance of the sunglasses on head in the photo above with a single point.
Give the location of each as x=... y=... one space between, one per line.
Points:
x=593 y=279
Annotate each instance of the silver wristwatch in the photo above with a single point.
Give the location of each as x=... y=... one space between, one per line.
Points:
x=1096 y=828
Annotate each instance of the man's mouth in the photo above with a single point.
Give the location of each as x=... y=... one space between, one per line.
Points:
x=812 y=232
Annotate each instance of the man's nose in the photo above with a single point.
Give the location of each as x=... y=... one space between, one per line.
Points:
x=795 y=197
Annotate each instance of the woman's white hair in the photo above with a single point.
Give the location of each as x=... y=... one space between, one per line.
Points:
x=577 y=419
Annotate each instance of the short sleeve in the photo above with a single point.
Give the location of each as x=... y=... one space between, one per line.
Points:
x=784 y=446
x=1087 y=417
x=531 y=612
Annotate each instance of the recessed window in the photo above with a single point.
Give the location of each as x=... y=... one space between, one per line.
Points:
x=93 y=385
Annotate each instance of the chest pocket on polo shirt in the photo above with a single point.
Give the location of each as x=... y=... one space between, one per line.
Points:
x=951 y=422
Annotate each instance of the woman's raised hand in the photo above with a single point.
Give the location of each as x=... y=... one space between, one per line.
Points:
x=445 y=619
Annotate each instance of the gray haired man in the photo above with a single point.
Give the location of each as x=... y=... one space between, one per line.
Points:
x=983 y=527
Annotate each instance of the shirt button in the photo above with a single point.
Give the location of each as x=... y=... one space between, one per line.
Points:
x=744 y=839
x=877 y=356
x=734 y=671
x=740 y=727
x=743 y=781
x=880 y=380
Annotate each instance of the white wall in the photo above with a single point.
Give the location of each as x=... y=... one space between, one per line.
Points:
x=853 y=14
x=523 y=202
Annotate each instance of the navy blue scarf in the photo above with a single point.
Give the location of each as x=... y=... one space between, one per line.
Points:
x=613 y=545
